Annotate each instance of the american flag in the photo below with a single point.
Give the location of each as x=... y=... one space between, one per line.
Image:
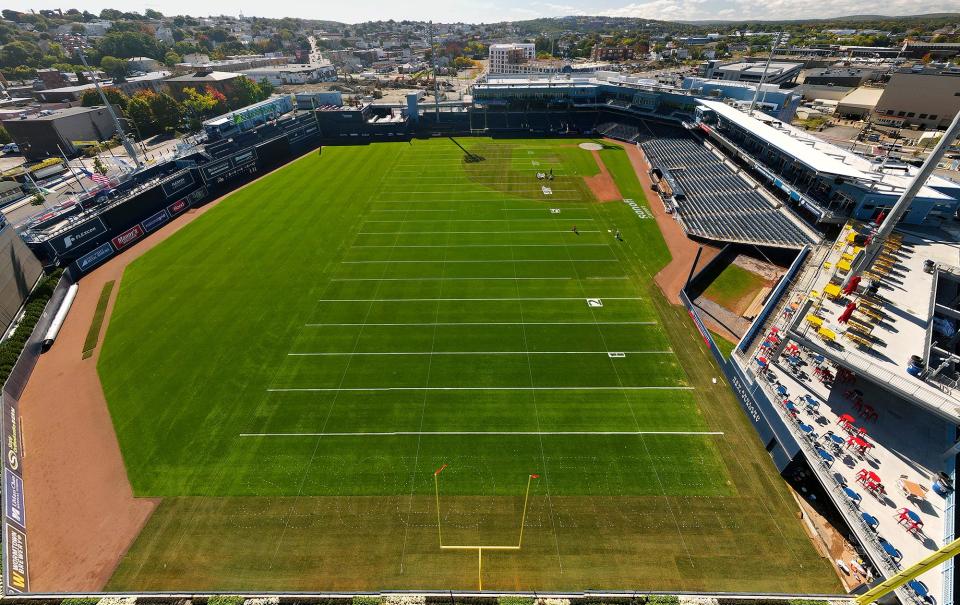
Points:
x=98 y=178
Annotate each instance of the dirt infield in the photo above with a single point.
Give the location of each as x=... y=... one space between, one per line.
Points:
x=602 y=185
x=80 y=506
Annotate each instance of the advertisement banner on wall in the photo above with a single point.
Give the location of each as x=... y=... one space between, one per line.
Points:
x=16 y=560
x=13 y=506
x=93 y=258
x=80 y=234
x=178 y=207
x=153 y=222
x=177 y=184
x=127 y=237
x=11 y=435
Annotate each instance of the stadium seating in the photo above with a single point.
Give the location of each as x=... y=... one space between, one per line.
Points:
x=717 y=203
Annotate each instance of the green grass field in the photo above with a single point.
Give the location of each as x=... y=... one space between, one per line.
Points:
x=733 y=285
x=288 y=371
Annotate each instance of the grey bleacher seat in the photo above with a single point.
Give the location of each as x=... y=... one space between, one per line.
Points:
x=719 y=203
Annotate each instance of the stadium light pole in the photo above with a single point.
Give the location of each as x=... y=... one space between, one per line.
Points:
x=763 y=76
x=866 y=257
x=131 y=151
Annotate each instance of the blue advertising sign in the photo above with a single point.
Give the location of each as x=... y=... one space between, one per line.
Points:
x=152 y=222
x=13 y=506
x=177 y=184
x=92 y=259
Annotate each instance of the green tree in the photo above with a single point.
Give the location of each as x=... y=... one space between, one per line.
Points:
x=245 y=92
x=114 y=67
x=198 y=106
x=5 y=136
x=128 y=44
x=140 y=113
x=171 y=58
x=167 y=112
x=115 y=96
x=20 y=52
x=99 y=166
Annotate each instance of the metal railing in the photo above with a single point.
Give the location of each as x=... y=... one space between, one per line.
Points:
x=867 y=536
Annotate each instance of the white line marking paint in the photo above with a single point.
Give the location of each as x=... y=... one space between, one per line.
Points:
x=496 y=323
x=469 y=232
x=383 y=389
x=482 y=261
x=501 y=433
x=343 y=354
x=577 y=298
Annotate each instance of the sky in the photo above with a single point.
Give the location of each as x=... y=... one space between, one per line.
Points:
x=487 y=11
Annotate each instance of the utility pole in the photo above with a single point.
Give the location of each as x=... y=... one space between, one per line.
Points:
x=131 y=151
x=763 y=77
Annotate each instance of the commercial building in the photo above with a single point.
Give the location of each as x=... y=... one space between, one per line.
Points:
x=860 y=103
x=778 y=72
x=45 y=136
x=779 y=103
x=511 y=58
x=840 y=76
x=19 y=273
x=938 y=50
x=204 y=77
x=10 y=191
x=72 y=94
x=293 y=73
x=611 y=53
x=921 y=96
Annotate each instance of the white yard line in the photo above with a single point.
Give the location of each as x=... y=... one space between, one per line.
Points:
x=347 y=279
x=481 y=261
x=484 y=246
x=472 y=220
x=496 y=323
x=473 y=232
x=511 y=298
x=481 y=433
x=386 y=389
x=387 y=353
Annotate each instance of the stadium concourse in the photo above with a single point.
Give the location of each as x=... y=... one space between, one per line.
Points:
x=452 y=317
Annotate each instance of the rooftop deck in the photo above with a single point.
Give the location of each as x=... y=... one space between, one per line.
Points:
x=887 y=329
x=907 y=445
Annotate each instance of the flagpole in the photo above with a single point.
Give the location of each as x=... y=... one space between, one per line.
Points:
x=72 y=171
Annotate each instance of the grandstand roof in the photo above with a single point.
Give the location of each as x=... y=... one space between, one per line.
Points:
x=824 y=157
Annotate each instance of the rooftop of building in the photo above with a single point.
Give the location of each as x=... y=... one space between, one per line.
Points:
x=206 y=76
x=148 y=77
x=288 y=67
x=56 y=114
x=751 y=67
x=827 y=158
x=864 y=95
x=889 y=327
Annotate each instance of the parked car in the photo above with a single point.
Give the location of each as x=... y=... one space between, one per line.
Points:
x=10 y=148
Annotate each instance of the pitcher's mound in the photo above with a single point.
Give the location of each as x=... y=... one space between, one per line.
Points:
x=591 y=146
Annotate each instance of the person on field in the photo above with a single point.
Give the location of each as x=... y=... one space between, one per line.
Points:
x=575 y=230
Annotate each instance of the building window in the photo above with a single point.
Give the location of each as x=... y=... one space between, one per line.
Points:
x=901 y=113
x=910 y=115
x=933 y=116
x=922 y=116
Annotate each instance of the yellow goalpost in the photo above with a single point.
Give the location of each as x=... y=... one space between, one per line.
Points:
x=480 y=548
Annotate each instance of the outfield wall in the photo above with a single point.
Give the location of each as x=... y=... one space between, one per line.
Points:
x=777 y=437
x=15 y=557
